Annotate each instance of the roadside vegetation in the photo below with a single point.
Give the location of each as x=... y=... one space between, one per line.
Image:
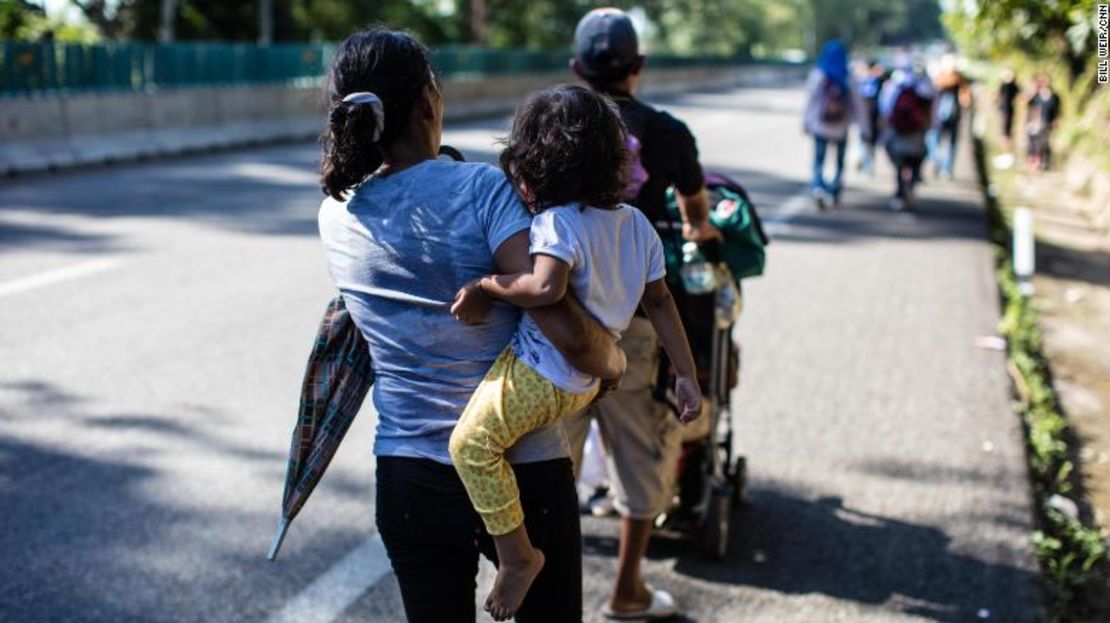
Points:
x=1070 y=548
x=1056 y=38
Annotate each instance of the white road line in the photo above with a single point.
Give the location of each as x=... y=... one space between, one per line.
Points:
x=57 y=275
x=778 y=223
x=333 y=592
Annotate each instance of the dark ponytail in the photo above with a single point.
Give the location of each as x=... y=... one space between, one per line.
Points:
x=393 y=66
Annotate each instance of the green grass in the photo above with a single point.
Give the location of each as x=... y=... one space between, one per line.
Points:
x=1070 y=552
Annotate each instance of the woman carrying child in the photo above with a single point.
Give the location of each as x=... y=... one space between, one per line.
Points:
x=402 y=232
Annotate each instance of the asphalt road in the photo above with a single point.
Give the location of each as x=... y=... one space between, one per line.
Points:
x=154 y=321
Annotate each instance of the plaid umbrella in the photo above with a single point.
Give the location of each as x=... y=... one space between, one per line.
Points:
x=336 y=380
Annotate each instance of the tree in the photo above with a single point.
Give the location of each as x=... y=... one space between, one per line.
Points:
x=293 y=20
x=877 y=22
x=109 y=18
x=535 y=25
x=1061 y=29
x=23 y=21
x=474 y=22
x=728 y=27
x=16 y=16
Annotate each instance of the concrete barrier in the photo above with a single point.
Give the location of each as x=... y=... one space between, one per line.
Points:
x=47 y=132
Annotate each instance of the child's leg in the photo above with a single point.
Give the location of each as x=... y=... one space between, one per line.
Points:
x=511 y=400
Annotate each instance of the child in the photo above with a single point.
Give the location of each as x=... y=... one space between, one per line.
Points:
x=567 y=156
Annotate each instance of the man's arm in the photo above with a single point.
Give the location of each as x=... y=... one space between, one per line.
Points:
x=693 y=198
x=695 y=216
x=585 y=343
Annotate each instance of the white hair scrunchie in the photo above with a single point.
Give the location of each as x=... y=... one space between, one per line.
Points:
x=375 y=102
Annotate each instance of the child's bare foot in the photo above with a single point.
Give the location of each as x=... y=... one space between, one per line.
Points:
x=514 y=578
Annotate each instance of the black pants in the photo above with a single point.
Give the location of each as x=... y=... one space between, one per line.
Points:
x=1040 y=146
x=872 y=106
x=433 y=537
x=1007 y=121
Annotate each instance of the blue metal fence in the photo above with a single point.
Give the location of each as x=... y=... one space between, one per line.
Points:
x=35 y=67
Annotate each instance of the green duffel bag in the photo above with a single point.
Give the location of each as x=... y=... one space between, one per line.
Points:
x=743 y=249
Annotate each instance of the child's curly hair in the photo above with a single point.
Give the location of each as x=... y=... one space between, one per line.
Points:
x=567 y=145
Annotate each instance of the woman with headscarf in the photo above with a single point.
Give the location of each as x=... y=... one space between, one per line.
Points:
x=833 y=103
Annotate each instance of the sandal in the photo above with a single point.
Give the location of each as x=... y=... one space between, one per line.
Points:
x=662 y=606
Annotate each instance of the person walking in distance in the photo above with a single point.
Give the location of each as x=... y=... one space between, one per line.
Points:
x=643 y=438
x=953 y=95
x=1042 y=113
x=833 y=103
x=905 y=107
x=1007 y=98
x=870 y=85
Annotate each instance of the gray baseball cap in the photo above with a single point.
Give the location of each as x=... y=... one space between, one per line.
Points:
x=605 y=44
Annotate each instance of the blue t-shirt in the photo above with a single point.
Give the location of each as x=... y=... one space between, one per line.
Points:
x=398 y=250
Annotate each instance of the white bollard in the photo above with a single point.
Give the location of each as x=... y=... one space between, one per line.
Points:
x=1024 y=252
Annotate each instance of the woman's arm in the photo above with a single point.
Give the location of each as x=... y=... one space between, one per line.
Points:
x=661 y=311
x=585 y=343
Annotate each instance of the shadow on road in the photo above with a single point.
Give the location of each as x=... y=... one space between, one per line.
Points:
x=865 y=216
x=1089 y=265
x=271 y=191
x=794 y=546
x=791 y=545
x=105 y=525
x=48 y=529
x=23 y=236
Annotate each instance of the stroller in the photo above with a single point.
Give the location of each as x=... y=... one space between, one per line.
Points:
x=712 y=477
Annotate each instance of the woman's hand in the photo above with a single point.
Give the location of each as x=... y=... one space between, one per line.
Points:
x=607 y=386
x=687 y=394
x=471 y=305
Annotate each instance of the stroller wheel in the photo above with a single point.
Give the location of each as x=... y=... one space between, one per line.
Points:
x=714 y=535
x=739 y=481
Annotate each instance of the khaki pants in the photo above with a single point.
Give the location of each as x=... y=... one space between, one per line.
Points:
x=642 y=437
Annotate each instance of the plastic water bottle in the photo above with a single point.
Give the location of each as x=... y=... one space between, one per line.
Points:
x=727 y=300
x=698 y=275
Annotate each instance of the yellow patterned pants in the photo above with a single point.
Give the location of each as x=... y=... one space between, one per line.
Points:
x=512 y=399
